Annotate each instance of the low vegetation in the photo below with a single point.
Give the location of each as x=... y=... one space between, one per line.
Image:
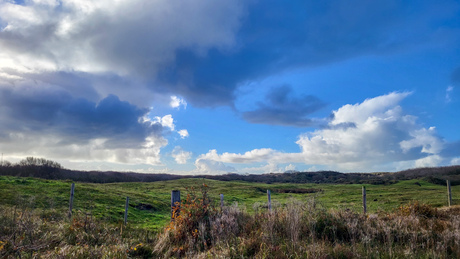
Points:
x=314 y=218
x=149 y=203
x=308 y=230
x=296 y=229
x=31 y=233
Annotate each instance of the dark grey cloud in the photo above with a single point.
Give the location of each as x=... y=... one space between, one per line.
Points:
x=130 y=39
x=203 y=50
x=35 y=111
x=282 y=107
x=275 y=36
x=343 y=125
x=77 y=84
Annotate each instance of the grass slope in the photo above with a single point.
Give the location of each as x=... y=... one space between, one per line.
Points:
x=149 y=202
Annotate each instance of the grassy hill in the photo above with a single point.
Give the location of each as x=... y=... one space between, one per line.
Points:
x=150 y=202
x=309 y=220
x=315 y=214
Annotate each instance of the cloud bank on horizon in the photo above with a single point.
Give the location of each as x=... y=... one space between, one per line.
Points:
x=358 y=137
x=230 y=86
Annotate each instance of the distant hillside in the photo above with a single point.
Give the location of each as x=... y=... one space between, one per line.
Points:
x=47 y=169
x=437 y=175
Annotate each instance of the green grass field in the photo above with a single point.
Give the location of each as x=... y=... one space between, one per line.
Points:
x=149 y=202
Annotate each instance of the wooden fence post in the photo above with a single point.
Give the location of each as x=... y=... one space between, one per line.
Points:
x=364 y=200
x=269 y=201
x=221 y=201
x=175 y=204
x=126 y=210
x=449 y=193
x=72 y=190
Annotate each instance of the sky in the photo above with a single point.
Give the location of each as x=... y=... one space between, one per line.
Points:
x=231 y=86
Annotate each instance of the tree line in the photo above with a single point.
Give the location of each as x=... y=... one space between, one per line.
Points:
x=48 y=169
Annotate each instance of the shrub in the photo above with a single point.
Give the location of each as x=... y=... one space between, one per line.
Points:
x=190 y=229
x=417 y=209
x=331 y=228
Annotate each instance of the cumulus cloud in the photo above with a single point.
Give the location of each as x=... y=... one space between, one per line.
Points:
x=104 y=40
x=429 y=161
x=270 y=167
x=49 y=121
x=180 y=155
x=425 y=138
x=263 y=169
x=319 y=33
x=256 y=155
x=282 y=107
x=166 y=121
x=290 y=167
x=183 y=133
x=106 y=36
x=177 y=102
x=205 y=166
x=84 y=61
x=182 y=48
x=381 y=133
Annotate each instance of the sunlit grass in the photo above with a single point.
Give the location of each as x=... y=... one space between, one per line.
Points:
x=106 y=201
x=326 y=223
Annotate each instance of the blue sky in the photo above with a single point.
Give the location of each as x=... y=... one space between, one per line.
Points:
x=212 y=87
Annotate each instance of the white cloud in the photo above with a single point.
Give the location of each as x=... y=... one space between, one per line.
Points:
x=47 y=121
x=263 y=169
x=290 y=167
x=425 y=138
x=176 y=102
x=125 y=37
x=449 y=91
x=270 y=167
x=360 y=137
x=55 y=147
x=312 y=169
x=180 y=155
x=205 y=166
x=429 y=161
x=378 y=132
x=360 y=113
x=166 y=121
x=183 y=133
x=256 y=155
